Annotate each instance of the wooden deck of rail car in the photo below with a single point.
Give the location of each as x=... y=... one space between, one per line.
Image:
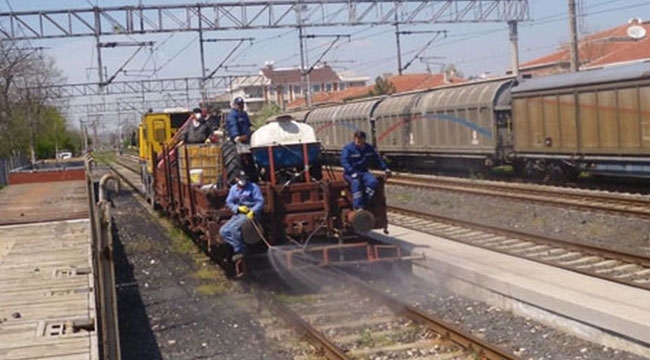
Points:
x=46 y=279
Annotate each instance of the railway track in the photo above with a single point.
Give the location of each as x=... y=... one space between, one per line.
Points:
x=594 y=261
x=616 y=203
x=355 y=321
x=375 y=325
x=603 y=263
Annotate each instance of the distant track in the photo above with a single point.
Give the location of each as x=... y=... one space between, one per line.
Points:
x=610 y=202
x=628 y=269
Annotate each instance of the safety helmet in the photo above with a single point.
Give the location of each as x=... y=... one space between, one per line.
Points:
x=242 y=175
x=238 y=101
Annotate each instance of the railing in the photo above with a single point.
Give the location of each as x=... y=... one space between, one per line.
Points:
x=8 y=164
x=103 y=266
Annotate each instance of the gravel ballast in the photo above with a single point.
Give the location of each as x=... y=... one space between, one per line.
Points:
x=622 y=233
x=522 y=335
x=175 y=304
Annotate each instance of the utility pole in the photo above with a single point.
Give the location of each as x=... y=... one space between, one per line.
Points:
x=311 y=68
x=221 y=65
x=573 y=37
x=419 y=52
x=119 y=130
x=84 y=136
x=304 y=76
x=203 y=80
x=399 y=49
x=514 y=47
x=95 y=141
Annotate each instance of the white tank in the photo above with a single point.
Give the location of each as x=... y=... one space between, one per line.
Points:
x=283 y=131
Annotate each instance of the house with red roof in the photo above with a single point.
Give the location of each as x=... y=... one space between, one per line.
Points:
x=622 y=44
x=284 y=85
x=402 y=83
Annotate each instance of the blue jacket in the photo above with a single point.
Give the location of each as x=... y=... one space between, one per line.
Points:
x=249 y=195
x=355 y=159
x=238 y=123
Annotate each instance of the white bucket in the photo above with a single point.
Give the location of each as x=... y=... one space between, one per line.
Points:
x=196 y=176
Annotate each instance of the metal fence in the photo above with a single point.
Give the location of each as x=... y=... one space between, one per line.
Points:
x=8 y=164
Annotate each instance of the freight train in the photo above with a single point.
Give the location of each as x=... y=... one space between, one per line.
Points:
x=594 y=122
x=307 y=212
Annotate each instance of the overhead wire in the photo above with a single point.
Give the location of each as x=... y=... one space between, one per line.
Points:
x=178 y=53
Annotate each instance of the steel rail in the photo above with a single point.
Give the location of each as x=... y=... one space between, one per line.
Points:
x=606 y=254
x=618 y=204
x=482 y=348
x=315 y=337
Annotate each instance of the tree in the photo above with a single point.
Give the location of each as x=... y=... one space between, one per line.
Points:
x=383 y=86
x=28 y=113
x=266 y=112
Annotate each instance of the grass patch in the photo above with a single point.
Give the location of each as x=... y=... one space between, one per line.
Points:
x=404 y=197
x=212 y=289
x=206 y=273
x=181 y=243
x=537 y=221
x=366 y=339
x=504 y=170
x=290 y=299
x=140 y=246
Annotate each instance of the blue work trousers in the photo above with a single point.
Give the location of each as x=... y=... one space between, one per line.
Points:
x=363 y=188
x=231 y=232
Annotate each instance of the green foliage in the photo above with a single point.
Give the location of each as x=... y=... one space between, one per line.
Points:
x=52 y=135
x=383 y=86
x=266 y=112
x=28 y=121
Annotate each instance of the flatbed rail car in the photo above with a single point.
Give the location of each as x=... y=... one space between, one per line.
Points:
x=304 y=206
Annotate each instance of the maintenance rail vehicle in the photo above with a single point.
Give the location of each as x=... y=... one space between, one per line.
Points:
x=307 y=207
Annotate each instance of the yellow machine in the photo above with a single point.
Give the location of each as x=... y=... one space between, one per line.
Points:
x=156 y=128
x=153 y=132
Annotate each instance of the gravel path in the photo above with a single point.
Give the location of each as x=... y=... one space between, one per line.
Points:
x=610 y=231
x=173 y=303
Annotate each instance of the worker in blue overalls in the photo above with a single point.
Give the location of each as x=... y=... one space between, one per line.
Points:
x=355 y=159
x=245 y=200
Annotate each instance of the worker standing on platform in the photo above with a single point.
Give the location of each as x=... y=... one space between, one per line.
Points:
x=197 y=131
x=214 y=119
x=245 y=200
x=237 y=123
x=355 y=159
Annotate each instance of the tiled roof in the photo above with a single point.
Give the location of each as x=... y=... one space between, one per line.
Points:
x=323 y=74
x=403 y=83
x=606 y=47
x=410 y=82
x=325 y=97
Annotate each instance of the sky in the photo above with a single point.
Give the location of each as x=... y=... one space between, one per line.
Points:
x=473 y=48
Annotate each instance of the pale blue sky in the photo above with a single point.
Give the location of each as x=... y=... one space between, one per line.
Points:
x=474 y=48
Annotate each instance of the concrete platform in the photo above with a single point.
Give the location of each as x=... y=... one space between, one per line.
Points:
x=601 y=311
